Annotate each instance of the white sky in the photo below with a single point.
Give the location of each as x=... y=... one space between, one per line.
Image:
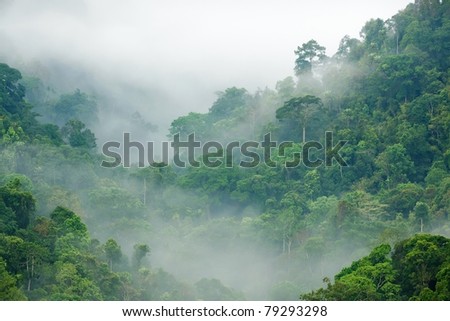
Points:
x=187 y=49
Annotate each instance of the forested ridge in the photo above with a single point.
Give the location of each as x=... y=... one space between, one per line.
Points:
x=73 y=230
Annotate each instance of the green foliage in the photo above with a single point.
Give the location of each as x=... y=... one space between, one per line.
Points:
x=75 y=106
x=374 y=35
x=418 y=261
x=403 y=198
x=417 y=270
x=113 y=252
x=230 y=101
x=77 y=135
x=349 y=49
x=394 y=165
x=8 y=222
x=8 y=287
x=115 y=201
x=11 y=92
x=67 y=222
x=387 y=94
x=20 y=202
x=160 y=285
x=17 y=121
x=301 y=110
x=140 y=252
x=71 y=286
x=193 y=123
x=308 y=54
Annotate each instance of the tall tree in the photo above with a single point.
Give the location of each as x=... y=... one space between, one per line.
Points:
x=307 y=55
x=228 y=102
x=8 y=285
x=113 y=252
x=22 y=203
x=77 y=135
x=300 y=109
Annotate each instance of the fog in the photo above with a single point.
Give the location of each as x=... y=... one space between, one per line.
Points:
x=164 y=60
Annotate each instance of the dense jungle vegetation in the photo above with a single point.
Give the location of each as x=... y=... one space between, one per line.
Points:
x=73 y=230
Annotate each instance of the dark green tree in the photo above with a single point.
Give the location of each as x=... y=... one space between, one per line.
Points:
x=301 y=110
x=229 y=102
x=307 y=55
x=20 y=202
x=140 y=252
x=77 y=135
x=8 y=285
x=113 y=252
x=78 y=106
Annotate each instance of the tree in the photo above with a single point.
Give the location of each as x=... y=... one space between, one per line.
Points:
x=300 y=109
x=161 y=286
x=285 y=89
x=374 y=35
x=370 y=278
x=349 y=49
x=192 y=123
x=312 y=183
x=418 y=269
x=8 y=223
x=415 y=140
x=395 y=165
x=315 y=248
x=140 y=251
x=443 y=283
x=397 y=78
x=20 y=202
x=231 y=100
x=307 y=55
x=289 y=218
x=418 y=261
x=11 y=91
x=422 y=214
x=77 y=105
x=402 y=198
x=73 y=286
x=112 y=200
x=67 y=222
x=8 y=287
x=34 y=255
x=113 y=252
x=75 y=133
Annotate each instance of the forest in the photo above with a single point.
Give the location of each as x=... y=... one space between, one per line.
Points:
x=377 y=229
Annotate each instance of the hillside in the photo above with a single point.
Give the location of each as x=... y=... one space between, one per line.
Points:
x=71 y=229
